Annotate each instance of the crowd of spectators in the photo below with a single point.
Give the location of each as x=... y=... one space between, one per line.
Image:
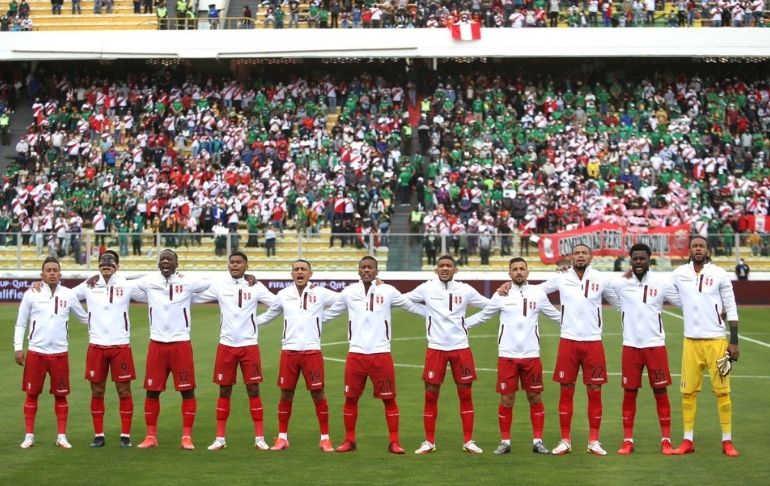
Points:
x=517 y=155
x=504 y=13
x=16 y=18
x=479 y=157
x=197 y=153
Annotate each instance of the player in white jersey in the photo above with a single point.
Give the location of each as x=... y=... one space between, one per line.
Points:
x=581 y=289
x=519 y=351
x=109 y=348
x=238 y=344
x=446 y=301
x=46 y=313
x=370 y=328
x=640 y=302
x=706 y=291
x=169 y=295
x=303 y=306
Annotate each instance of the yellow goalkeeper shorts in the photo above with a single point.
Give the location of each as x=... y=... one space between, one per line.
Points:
x=697 y=355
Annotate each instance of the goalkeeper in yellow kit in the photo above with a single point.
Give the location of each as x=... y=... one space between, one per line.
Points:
x=706 y=292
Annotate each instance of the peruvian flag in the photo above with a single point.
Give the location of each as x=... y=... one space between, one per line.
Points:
x=466 y=31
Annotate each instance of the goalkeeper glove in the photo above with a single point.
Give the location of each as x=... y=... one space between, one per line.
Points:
x=725 y=364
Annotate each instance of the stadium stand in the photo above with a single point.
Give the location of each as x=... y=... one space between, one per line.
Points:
x=485 y=158
x=143 y=14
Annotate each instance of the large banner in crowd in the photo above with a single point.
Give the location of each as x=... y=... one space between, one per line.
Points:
x=612 y=240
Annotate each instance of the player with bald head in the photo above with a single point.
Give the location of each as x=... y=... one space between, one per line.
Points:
x=169 y=295
x=581 y=289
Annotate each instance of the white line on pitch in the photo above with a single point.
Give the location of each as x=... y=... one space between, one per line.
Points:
x=473 y=336
x=673 y=375
x=745 y=338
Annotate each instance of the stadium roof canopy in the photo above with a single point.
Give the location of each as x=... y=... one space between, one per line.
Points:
x=715 y=43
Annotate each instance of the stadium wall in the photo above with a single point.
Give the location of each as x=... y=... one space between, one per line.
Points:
x=385 y=43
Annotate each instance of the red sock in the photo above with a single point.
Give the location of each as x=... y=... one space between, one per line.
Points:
x=565 y=410
x=126 y=414
x=429 y=415
x=30 y=411
x=284 y=414
x=223 y=411
x=392 y=417
x=322 y=412
x=466 y=411
x=664 y=414
x=594 y=413
x=537 y=416
x=350 y=416
x=97 y=414
x=151 y=412
x=504 y=419
x=629 y=412
x=189 y=406
x=62 y=408
x=257 y=416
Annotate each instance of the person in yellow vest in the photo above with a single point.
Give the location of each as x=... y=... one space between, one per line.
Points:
x=181 y=14
x=5 y=128
x=191 y=16
x=162 y=12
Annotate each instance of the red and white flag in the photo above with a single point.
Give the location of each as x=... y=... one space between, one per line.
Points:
x=466 y=31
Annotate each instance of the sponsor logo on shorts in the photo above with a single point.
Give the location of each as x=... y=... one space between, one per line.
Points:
x=431 y=374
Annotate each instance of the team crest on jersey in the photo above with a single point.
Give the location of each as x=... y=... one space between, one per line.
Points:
x=312 y=299
x=594 y=287
x=708 y=281
x=653 y=292
x=532 y=305
x=178 y=288
x=246 y=295
x=379 y=299
x=118 y=292
x=457 y=299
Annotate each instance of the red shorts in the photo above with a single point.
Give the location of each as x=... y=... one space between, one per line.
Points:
x=461 y=361
x=310 y=363
x=511 y=370
x=116 y=359
x=656 y=361
x=378 y=367
x=588 y=355
x=175 y=358
x=227 y=361
x=37 y=365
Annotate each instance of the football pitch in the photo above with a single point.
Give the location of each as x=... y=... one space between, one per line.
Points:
x=304 y=463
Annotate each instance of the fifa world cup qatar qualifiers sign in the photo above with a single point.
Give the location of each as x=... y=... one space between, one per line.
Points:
x=12 y=289
x=613 y=240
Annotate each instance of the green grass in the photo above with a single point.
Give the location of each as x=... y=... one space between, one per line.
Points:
x=304 y=463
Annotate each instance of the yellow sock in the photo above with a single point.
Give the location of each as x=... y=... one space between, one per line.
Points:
x=725 y=409
x=689 y=406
